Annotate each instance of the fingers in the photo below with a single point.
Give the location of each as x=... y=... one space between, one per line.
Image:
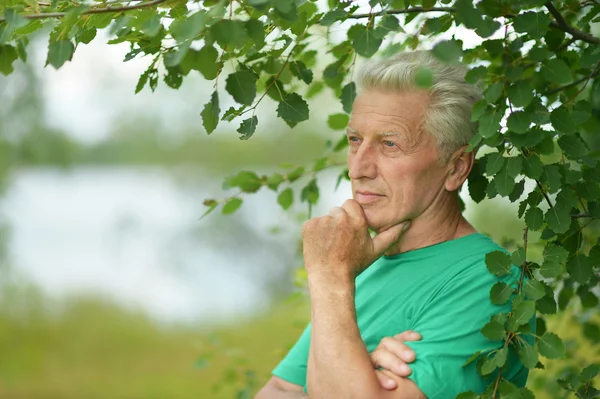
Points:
x=354 y=210
x=336 y=212
x=408 y=336
x=385 y=380
x=393 y=360
x=387 y=238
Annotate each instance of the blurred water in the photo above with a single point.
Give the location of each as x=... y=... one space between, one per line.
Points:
x=133 y=236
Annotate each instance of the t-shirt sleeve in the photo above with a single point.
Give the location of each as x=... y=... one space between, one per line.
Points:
x=293 y=366
x=450 y=328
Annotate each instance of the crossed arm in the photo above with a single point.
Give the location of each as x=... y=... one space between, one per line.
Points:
x=342 y=367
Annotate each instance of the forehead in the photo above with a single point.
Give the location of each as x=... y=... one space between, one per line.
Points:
x=377 y=111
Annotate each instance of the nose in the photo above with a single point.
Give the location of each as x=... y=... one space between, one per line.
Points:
x=362 y=163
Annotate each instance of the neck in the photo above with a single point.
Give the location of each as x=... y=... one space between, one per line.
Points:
x=441 y=222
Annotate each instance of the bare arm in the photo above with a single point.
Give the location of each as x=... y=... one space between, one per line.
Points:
x=276 y=388
x=339 y=365
x=336 y=249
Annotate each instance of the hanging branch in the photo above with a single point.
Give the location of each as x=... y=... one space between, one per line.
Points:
x=564 y=26
x=92 y=11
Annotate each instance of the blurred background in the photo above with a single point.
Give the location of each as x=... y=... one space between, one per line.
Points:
x=111 y=284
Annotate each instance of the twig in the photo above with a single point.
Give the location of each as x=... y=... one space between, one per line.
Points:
x=278 y=73
x=575 y=83
x=563 y=25
x=92 y=11
x=582 y=215
x=403 y=11
x=544 y=192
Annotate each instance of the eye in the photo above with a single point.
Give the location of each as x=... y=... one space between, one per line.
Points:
x=353 y=139
x=389 y=144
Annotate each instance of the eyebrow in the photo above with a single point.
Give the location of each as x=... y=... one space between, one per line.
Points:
x=380 y=134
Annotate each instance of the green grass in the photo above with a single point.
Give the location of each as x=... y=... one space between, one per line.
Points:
x=95 y=350
x=90 y=349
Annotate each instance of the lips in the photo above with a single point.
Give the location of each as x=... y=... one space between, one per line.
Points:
x=367 y=197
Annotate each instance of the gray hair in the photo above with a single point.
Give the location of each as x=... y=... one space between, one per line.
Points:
x=448 y=117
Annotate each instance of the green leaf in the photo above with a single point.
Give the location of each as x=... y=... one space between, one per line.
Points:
x=558 y=219
x=589 y=372
x=580 y=268
x=551 y=346
x=299 y=69
x=424 y=78
x=557 y=71
x=533 y=289
x=528 y=355
x=521 y=314
x=554 y=258
x=242 y=86
x=247 y=181
x=562 y=121
x=489 y=123
x=256 y=32
x=520 y=93
x=534 y=23
x=448 y=51
x=210 y=113
x=498 y=263
x=501 y=357
x=364 y=40
x=231 y=206
x=472 y=358
x=188 y=28
x=504 y=182
x=494 y=92
x=8 y=54
x=59 y=52
x=551 y=175
x=348 y=96
x=534 y=218
x=310 y=192
x=494 y=163
x=230 y=33
x=494 y=331
x=518 y=256
x=519 y=121
x=514 y=166
x=332 y=16
x=338 y=121
x=532 y=166
x=274 y=180
x=248 y=127
x=205 y=61
x=488 y=366
x=500 y=293
x=572 y=146
x=293 y=109
x=581 y=112
x=468 y=395
x=286 y=198
x=477 y=188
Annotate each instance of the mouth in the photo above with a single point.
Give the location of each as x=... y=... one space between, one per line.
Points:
x=367 y=197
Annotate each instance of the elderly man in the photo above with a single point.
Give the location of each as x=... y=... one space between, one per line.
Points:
x=424 y=270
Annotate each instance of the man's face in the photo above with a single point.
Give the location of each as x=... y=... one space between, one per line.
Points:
x=393 y=164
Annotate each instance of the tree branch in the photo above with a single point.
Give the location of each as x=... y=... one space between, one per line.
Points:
x=544 y=193
x=92 y=11
x=403 y=11
x=575 y=83
x=562 y=24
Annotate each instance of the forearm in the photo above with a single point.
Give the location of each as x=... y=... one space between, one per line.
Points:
x=338 y=363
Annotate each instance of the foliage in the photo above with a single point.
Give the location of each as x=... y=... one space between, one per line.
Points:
x=537 y=60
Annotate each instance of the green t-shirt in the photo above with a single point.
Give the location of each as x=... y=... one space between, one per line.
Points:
x=442 y=292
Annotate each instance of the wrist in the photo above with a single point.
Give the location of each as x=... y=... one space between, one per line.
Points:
x=330 y=277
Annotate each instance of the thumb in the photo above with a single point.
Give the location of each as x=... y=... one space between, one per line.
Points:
x=386 y=239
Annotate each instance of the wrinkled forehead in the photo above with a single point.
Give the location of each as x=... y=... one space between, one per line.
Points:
x=383 y=113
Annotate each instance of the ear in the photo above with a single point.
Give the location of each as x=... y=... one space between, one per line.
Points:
x=458 y=168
